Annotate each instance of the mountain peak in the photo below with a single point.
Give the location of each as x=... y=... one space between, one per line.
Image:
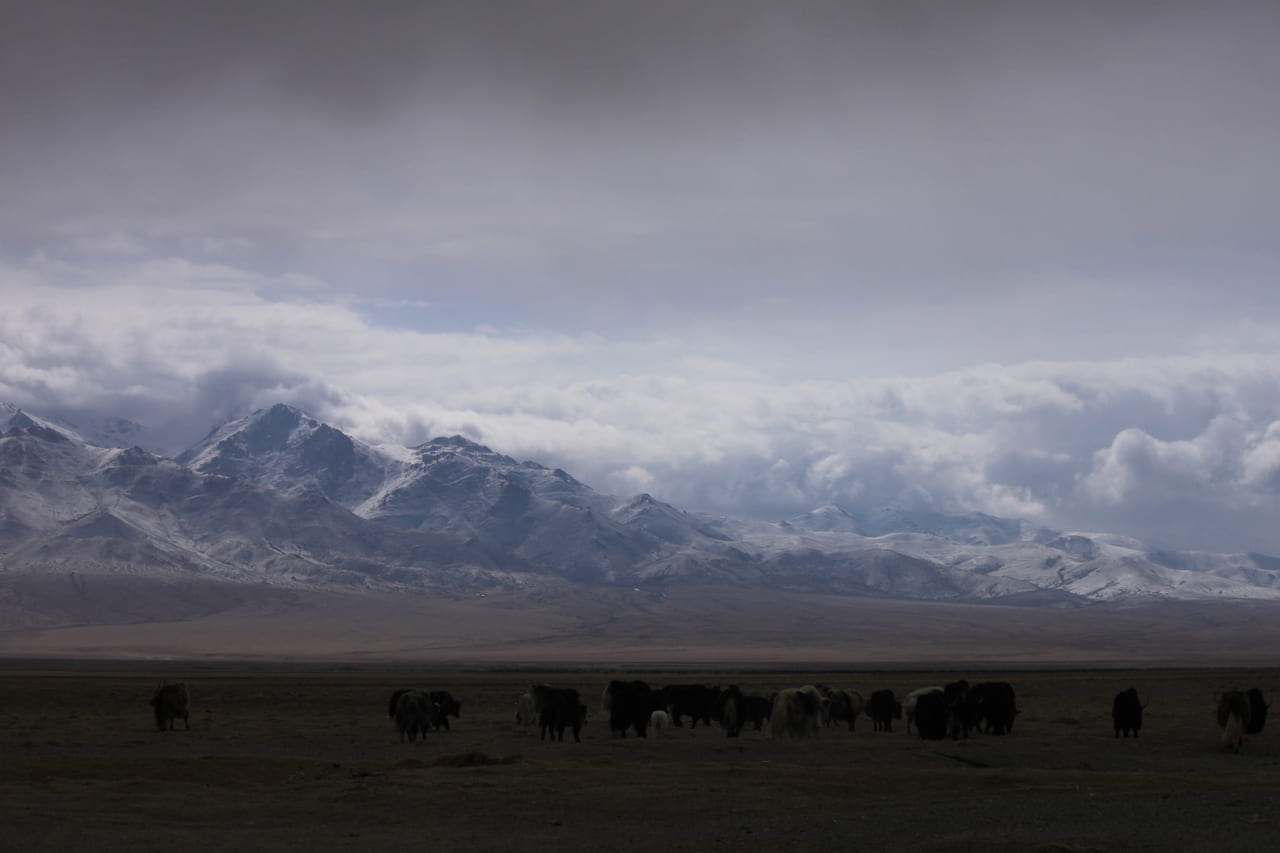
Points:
x=459 y=441
x=825 y=519
x=459 y=446
x=23 y=424
x=285 y=449
x=282 y=412
x=93 y=430
x=279 y=419
x=21 y=420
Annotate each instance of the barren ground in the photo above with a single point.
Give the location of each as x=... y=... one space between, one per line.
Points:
x=124 y=618
x=305 y=757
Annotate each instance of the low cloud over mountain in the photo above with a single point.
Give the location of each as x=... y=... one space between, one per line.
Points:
x=1182 y=451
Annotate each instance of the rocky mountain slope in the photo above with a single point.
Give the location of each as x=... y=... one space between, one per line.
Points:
x=279 y=498
x=70 y=506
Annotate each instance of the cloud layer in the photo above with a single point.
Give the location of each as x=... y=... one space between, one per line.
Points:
x=753 y=257
x=1183 y=450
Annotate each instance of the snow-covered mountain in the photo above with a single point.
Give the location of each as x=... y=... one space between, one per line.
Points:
x=290 y=452
x=98 y=431
x=66 y=505
x=973 y=529
x=1006 y=559
x=279 y=497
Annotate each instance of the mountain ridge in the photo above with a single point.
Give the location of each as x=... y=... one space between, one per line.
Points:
x=280 y=498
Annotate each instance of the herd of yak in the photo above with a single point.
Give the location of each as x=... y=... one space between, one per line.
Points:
x=953 y=710
x=795 y=712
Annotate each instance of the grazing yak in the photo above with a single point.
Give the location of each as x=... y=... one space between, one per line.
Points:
x=413 y=712
x=992 y=706
x=659 y=721
x=845 y=707
x=445 y=707
x=821 y=696
x=756 y=710
x=1257 y=712
x=931 y=715
x=697 y=701
x=729 y=711
x=909 y=703
x=442 y=707
x=797 y=712
x=959 y=715
x=526 y=710
x=629 y=704
x=883 y=709
x=559 y=708
x=1234 y=717
x=1126 y=712
x=734 y=709
x=170 y=703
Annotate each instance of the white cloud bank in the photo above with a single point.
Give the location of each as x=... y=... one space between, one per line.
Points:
x=1182 y=450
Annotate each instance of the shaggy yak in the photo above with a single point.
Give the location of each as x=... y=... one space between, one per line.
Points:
x=1234 y=718
x=170 y=703
x=1126 y=712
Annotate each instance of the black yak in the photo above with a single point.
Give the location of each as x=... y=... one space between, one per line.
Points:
x=1126 y=712
x=170 y=703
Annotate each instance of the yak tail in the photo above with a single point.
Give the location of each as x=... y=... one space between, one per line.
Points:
x=729 y=717
x=1233 y=731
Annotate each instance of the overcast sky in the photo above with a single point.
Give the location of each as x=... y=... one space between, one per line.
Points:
x=750 y=257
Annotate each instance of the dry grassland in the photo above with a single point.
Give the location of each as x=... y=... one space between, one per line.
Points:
x=306 y=758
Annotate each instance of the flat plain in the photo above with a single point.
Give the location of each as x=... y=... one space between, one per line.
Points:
x=304 y=756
